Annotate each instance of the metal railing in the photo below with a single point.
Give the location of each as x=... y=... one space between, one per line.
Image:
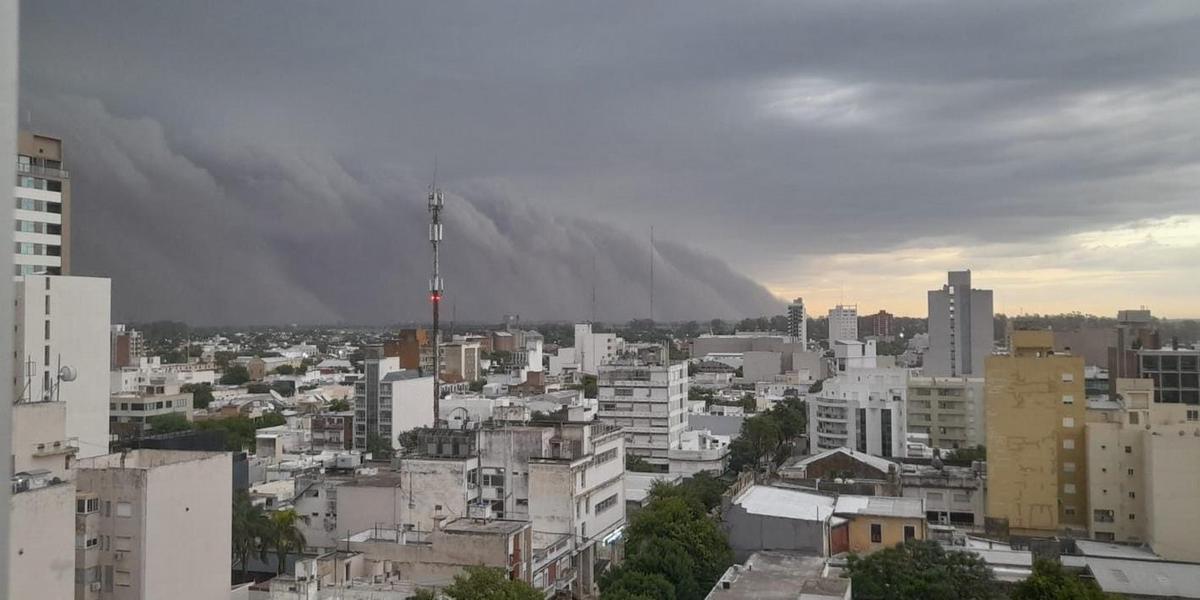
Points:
x=28 y=169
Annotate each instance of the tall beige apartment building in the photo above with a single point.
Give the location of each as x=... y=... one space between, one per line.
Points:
x=1037 y=458
x=1142 y=480
x=42 y=219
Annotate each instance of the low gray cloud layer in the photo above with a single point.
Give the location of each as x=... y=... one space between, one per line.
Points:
x=266 y=161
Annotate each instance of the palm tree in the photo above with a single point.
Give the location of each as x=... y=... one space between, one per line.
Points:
x=284 y=535
x=249 y=528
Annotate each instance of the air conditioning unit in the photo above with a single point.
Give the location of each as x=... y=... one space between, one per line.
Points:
x=120 y=555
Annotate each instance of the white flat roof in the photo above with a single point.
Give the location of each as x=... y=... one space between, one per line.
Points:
x=786 y=503
x=881 y=506
x=1145 y=577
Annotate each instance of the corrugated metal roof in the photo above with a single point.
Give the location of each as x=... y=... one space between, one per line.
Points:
x=1146 y=578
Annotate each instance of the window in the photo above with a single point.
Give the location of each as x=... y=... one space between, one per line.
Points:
x=1133 y=418
x=1102 y=516
x=1068 y=488
x=933 y=496
x=124 y=543
x=1068 y=399
x=1068 y=377
x=1132 y=495
x=87 y=505
x=1068 y=467
x=1068 y=444
x=1193 y=415
x=1128 y=449
x=910 y=532
x=606 y=504
x=1131 y=472
x=124 y=509
x=1105 y=536
x=122 y=578
x=1131 y=515
x=876 y=533
x=1068 y=422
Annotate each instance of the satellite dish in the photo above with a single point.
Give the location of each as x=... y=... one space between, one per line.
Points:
x=67 y=373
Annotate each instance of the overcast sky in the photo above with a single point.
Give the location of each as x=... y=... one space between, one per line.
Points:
x=266 y=162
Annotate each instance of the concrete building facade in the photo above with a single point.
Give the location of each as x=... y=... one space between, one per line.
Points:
x=649 y=402
x=594 y=349
x=141 y=506
x=843 y=323
x=43 y=207
x=1037 y=456
x=797 y=322
x=960 y=328
x=950 y=410
x=389 y=400
x=61 y=343
x=861 y=409
x=1141 y=488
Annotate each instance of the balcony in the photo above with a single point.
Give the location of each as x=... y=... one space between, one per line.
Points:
x=40 y=171
x=57 y=447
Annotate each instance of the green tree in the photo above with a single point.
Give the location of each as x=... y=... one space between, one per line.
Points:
x=201 y=393
x=285 y=369
x=235 y=375
x=968 y=454
x=670 y=561
x=748 y=402
x=920 y=570
x=626 y=583
x=424 y=594
x=379 y=447
x=590 y=390
x=339 y=405
x=284 y=536
x=168 y=423
x=682 y=521
x=250 y=526
x=1050 y=582
x=764 y=436
x=485 y=583
x=477 y=385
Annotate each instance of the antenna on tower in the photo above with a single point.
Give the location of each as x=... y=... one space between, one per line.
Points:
x=436 y=203
x=593 y=287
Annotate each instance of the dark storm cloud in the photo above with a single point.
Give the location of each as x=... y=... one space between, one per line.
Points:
x=266 y=161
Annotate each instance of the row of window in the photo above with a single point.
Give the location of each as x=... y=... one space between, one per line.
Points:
x=36 y=270
x=37 y=227
x=39 y=205
x=37 y=183
x=35 y=249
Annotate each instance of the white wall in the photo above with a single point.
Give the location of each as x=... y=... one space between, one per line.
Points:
x=42 y=548
x=187 y=536
x=80 y=323
x=412 y=405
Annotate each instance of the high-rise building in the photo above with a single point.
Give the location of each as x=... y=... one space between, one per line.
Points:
x=594 y=349
x=1175 y=372
x=862 y=409
x=43 y=207
x=61 y=344
x=948 y=409
x=881 y=325
x=462 y=360
x=138 y=509
x=843 y=323
x=649 y=401
x=127 y=347
x=389 y=400
x=1135 y=331
x=960 y=328
x=1037 y=460
x=797 y=321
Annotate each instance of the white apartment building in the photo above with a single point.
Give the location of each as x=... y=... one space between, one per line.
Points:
x=43 y=207
x=853 y=354
x=61 y=344
x=160 y=520
x=1141 y=476
x=595 y=349
x=389 y=400
x=843 y=323
x=649 y=402
x=960 y=328
x=950 y=410
x=42 y=542
x=861 y=409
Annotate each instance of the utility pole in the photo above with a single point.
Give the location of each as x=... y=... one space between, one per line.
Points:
x=436 y=203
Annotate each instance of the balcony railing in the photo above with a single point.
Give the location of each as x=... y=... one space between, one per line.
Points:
x=41 y=171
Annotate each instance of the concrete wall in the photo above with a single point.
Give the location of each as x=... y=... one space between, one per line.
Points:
x=749 y=533
x=79 y=309
x=42 y=543
x=187 y=544
x=1036 y=462
x=949 y=409
x=1173 y=485
x=761 y=365
x=412 y=406
x=37 y=423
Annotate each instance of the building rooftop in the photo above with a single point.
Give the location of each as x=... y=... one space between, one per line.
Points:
x=145 y=459
x=401 y=375
x=881 y=464
x=912 y=508
x=1145 y=579
x=1109 y=550
x=774 y=575
x=637 y=485
x=786 y=503
x=484 y=526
